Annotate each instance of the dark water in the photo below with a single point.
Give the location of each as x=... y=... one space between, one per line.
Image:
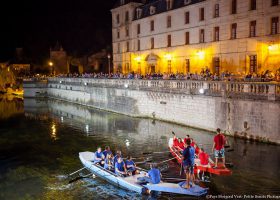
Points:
x=40 y=141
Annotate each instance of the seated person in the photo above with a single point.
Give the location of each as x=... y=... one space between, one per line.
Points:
x=181 y=144
x=130 y=166
x=153 y=176
x=118 y=155
x=203 y=157
x=98 y=156
x=120 y=168
x=107 y=150
x=109 y=162
x=187 y=138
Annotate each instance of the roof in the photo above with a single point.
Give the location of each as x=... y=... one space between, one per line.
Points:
x=161 y=6
x=118 y=2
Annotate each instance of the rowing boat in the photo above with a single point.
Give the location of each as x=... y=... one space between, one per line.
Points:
x=220 y=170
x=131 y=182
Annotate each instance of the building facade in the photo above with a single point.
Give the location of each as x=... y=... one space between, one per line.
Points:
x=181 y=36
x=59 y=60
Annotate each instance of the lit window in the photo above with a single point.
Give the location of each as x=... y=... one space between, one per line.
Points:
x=233 y=31
x=253 y=28
x=274 y=25
x=217 y=11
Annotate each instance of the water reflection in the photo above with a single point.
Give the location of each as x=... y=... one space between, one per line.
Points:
x=46 y=142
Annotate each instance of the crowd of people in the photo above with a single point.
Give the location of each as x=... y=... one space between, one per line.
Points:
x=204 y=75
x=124 y=167
x=190 y=151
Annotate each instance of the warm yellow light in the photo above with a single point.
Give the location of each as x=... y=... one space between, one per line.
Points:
x=201 y=54
x=50 y=63
x=273 y=47
x=168 y=57
x=53 y=132
x=138 y=59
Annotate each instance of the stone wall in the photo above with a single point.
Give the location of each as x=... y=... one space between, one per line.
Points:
x=183 y=106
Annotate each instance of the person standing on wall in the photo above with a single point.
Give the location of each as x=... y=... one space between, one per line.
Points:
x=219 y=147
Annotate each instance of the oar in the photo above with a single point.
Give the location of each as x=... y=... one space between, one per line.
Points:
x=79 y=178
x=77 y=171
x=146 y=153
x=164 y=161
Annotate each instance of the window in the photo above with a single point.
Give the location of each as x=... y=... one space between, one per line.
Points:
x=201 y=14
x=169 y=41
x=253 y=28
x=126 y=16
x=233 y=31
x=201 y=36
x=187 y=38
x=119 y=47
x=152 y=10
x=187 y=65
x=169 y=4
x=168 y=21
x=253 y=4
x=253 y=64
x=274 y=2
x=139 y=13
x=152 y=43
x=274 y=25
x=127 y=31
x=118 y=18
x=217 y=10
x=122 y=2
x=186 y=2
x=138 y=45
x=216 y=63
x=233 y=6
x=138 y=29
x=127 y=46
x=152 y=25
x=118 y=34
x=216 y=34
x=187 y=17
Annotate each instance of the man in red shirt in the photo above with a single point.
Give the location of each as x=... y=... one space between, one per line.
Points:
x=218 y=147
x=203 y=157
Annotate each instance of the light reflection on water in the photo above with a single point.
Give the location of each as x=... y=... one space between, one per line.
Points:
x=39 y=148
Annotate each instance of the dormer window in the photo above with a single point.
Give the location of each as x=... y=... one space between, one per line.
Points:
x=138 y=13
x=152 y=10
x=122 y=2
x=187 y=2
x=169 y=4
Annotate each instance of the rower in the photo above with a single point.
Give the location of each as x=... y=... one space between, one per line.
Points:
x=98 y=156
x=117 y=156
x=153 y=176
x=218 y=147
x=109 y=162
x=181 y=144
x=120 y=168
x=187 y=138
x=131 y=166
x=188 y=163
x=204 y=161
x=107 y=150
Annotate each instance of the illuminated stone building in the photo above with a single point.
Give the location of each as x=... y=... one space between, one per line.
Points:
x=240 y=36
x=59 y=60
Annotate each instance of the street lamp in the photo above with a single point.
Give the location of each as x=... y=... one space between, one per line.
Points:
x=51 y=65
x=109 y=63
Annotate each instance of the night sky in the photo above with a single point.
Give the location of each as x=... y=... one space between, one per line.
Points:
x=80 y=26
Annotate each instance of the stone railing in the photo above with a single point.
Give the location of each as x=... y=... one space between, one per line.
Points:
x=251 y=90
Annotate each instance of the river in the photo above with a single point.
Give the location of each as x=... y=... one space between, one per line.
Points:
x=40 y=141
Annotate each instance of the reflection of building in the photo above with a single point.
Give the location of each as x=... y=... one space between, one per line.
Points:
x=59 y=59
x=188 y=35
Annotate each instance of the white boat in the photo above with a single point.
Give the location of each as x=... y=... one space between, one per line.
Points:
x=132 y=184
